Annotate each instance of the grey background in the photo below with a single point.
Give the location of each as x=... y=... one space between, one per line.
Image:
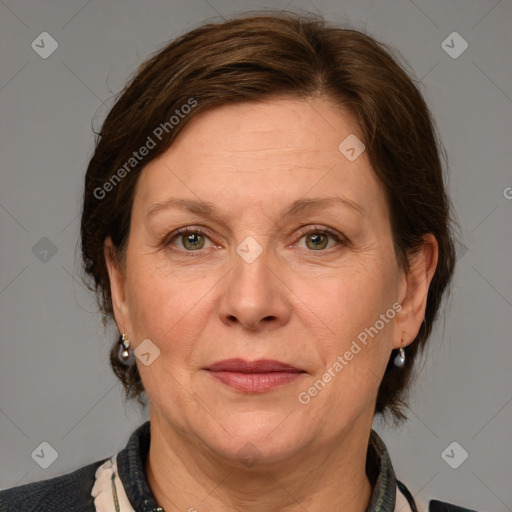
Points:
x=56 y=385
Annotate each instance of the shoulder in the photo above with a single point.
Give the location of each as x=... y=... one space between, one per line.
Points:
x=442 y=506
x=433 y=505
x=70 y=492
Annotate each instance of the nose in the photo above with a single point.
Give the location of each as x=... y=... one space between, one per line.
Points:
x=255 y=296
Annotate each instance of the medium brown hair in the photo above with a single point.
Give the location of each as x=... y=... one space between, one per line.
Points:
x=260 y=56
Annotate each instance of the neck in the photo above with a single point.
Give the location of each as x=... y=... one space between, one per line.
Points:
x=184 y=477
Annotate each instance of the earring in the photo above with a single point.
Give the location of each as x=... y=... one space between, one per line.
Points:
x=124 y=355
x=400 y=358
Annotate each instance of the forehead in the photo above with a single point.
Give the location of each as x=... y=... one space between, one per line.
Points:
x=261 y=153
x=281 y=125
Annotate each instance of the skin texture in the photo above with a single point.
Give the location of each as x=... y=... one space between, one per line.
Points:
x=294 y=303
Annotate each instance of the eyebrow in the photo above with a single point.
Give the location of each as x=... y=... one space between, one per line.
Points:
x=299 y=206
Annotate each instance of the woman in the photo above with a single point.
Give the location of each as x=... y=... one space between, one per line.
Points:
x=265 y=220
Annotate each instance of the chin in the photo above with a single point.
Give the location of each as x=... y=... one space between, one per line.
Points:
x=256 y=437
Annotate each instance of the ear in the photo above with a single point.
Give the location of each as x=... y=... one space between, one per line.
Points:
x=117 y=288
x=414 y=291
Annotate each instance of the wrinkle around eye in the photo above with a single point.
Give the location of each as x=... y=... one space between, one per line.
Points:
x=292 y=234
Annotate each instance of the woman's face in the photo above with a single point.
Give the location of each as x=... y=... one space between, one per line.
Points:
x=290 y=260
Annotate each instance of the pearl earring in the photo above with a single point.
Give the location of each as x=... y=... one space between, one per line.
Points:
x=124 y=354
x=400 y=358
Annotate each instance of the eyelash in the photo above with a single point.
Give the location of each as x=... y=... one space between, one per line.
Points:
x=167 y=240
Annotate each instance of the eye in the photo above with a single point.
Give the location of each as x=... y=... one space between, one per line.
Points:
x=192 y=239
x=317 y=239
x=188 y=240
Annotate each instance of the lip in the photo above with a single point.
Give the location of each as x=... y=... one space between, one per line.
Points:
x=254 y=376
x=258 y=366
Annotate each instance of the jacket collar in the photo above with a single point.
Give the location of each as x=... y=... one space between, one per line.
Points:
x=131 y=467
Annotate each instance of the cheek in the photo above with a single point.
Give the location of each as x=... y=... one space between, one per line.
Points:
x=168 y=308
x=354 y=345
x=351 y=300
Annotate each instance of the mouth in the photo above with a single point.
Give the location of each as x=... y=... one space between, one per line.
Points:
x=254 y=376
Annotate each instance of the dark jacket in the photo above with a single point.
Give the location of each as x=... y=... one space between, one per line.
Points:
x=72 y=492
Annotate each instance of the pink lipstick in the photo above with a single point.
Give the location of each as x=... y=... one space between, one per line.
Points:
x=254 y=376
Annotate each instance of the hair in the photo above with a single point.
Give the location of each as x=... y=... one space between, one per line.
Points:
x=251 y=58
